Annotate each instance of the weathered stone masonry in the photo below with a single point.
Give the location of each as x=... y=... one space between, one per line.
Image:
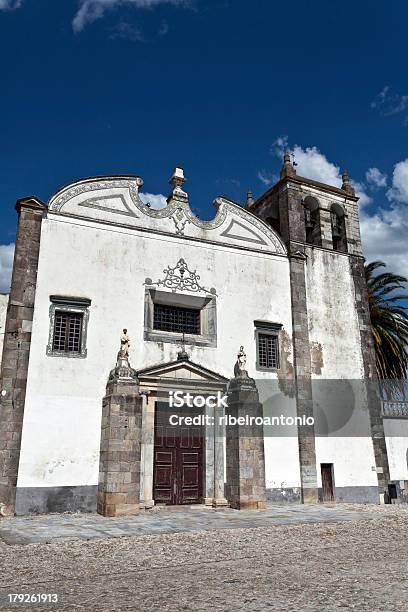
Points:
x=120 y=450
x=17 y=343
x=368 y=354
x=293 y=232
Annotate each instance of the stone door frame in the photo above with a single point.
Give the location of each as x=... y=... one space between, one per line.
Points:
x=155 y=384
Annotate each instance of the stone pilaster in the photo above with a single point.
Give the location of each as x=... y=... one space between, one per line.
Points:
x=17 y=343
x=245 y=447
x=120 y=450
x=290 y=203
x=370 y=373
x=303 y=378
x=219 y=500
x=325 y=228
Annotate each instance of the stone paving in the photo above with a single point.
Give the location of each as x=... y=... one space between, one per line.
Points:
x=59 y=527
x=292 y=559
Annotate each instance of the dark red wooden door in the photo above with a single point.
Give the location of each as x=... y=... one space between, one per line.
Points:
x=178 y=461
x=327 y=482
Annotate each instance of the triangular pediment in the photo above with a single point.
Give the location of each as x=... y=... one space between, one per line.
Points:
x=181 y=370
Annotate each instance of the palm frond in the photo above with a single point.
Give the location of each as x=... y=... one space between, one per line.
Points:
x=389 y=321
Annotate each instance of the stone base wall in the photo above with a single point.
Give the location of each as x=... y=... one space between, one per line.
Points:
x=119 y=469
x=45 y=500
x=245 y=449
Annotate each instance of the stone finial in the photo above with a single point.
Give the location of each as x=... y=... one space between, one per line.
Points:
x=177 y=180
x=346 y=185
x=250 y=200
x=288 y=167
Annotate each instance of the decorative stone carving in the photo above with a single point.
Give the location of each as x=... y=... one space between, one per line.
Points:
x=123 y=372
x=181 y=278
x=124 y=344
x=182 y=354
x=239 y=369
x=177 y=209
x=179 y=221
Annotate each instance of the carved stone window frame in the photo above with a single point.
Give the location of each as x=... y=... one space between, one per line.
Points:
x=206 y=304
x=269 y=329
x=70 y=305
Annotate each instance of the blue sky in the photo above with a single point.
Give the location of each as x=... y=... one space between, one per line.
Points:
x=95 y=87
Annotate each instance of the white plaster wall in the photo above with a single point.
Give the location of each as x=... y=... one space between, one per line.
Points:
x=332 y=316
x=335 y=343
x=396 y=438
x=61 y=431
x=3 y=313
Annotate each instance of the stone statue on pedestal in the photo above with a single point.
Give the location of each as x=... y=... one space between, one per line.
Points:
x=123 y=371
x=239 y=369
x=124 y=345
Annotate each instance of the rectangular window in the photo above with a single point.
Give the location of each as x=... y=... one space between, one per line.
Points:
x=67 y=332
x=176 y=319
x=68 y=326
x=268 y=351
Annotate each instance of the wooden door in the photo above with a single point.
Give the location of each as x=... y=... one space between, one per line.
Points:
x=327 y=482
x=178 y=460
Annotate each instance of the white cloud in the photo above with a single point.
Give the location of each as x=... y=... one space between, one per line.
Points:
x=267 y=178
x=10 y=5
x=313 y=164
x=399 y=189
x=6 y=266
x=91 y=10
x=156 y=200
x=375 y=178
x=384 y=237
x=279 y=146
x=384 y=234
x=389 y=103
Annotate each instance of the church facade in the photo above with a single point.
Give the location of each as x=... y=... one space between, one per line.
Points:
x=282 y=277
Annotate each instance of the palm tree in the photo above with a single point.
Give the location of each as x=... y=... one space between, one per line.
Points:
x=389 y=323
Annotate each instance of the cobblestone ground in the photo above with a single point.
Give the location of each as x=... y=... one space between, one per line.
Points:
x=359 y=565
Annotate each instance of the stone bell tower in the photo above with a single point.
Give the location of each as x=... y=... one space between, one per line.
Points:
x=320 y=226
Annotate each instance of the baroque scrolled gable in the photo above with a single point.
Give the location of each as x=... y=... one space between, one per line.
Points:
x=115 y=200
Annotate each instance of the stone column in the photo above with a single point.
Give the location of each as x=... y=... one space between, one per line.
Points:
x=16 y=349
x=146 y=488
x=219 y=500
x=208 y=499
x=120 y=450
x=245 y=447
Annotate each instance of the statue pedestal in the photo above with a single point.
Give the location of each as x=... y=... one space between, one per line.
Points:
x=245 y=446
x=120 y=450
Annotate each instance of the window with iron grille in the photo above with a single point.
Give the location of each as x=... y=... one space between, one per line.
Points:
x=67 y=332
x=176 y=319
x=268 y=354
